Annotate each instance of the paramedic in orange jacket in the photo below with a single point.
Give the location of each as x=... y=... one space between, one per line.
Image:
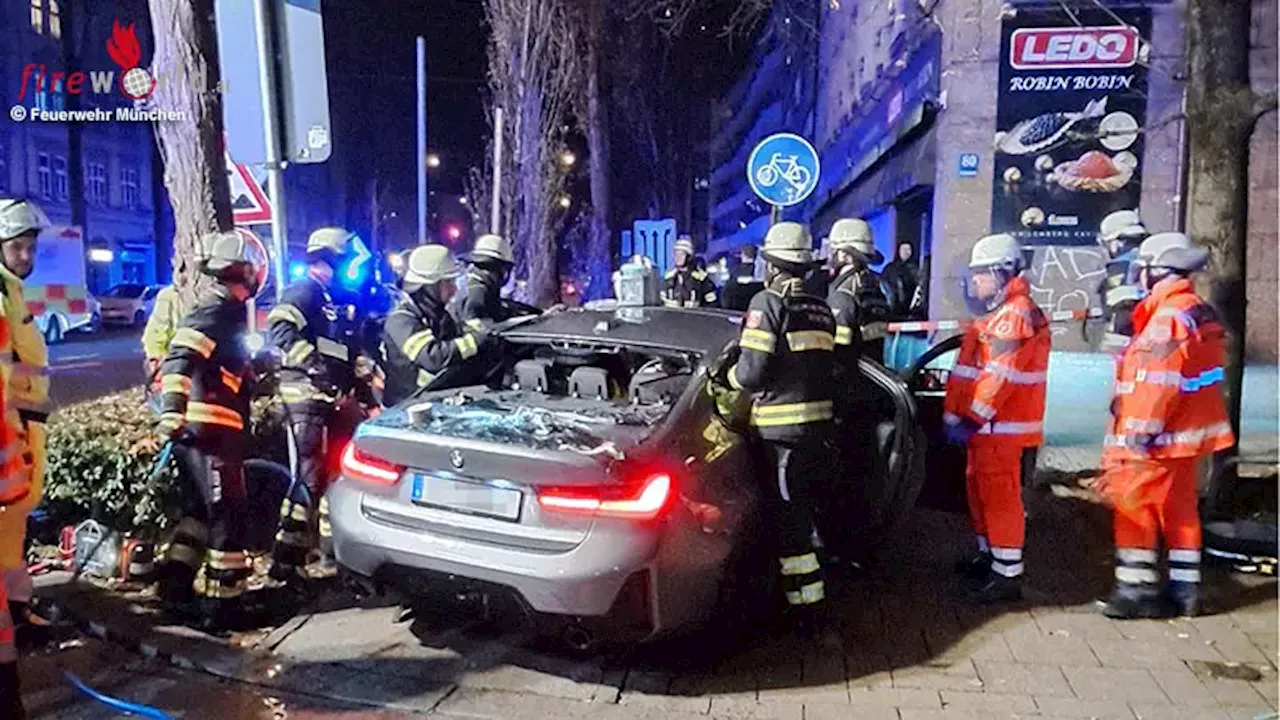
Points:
x=1167 y=415
x=15 y=487
x=995 y=406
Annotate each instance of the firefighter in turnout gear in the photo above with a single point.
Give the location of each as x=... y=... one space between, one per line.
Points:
x=491 y=262
x=21 y=222
x=1120 y=234
x=685 y=285
x=785 y=360
x=995 y=404
x=206 y=381
x=318 y=377
x=1167 y=416
x=15 y=479
x=861 y=309
x=422 y=345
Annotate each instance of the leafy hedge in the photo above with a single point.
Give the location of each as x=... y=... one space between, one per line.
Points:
x=101 y=455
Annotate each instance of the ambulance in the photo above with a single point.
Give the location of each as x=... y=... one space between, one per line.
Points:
x=57 y=292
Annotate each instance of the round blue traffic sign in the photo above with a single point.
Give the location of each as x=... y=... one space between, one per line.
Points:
x=783 y=169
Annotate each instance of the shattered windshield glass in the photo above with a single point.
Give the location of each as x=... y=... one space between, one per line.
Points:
x=517 y=418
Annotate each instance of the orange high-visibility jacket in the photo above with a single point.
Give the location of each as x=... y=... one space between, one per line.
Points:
x=15 y=481
x=999 y=378
x=1168 y=391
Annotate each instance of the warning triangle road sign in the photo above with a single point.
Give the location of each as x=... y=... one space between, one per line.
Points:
x=249 y=204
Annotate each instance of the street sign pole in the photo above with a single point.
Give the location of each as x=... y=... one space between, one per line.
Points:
x=422 y=140
x=495 y=217
x=775 y=215
x=275 y=164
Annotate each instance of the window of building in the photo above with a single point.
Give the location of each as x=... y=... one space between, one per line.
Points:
x=44 y=177
x=60 y=177
x=96 y=183
x=37 y=16
x=129 y=195
x=55 y=20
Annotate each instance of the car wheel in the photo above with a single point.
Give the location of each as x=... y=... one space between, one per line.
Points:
x=53 y=331
x=139 y=318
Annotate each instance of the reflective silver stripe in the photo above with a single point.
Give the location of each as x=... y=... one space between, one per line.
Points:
x=1125 y=388
x=1136 y=576
x=1017 y=377
x=1007 y=570
x=1150 y=427
x=1186 y=556
x=1186 y=575
x=1007 y=555
x=1193 y=436
x=966 y=371
x=1136 y=555
x=982 y=410
x=332 y=348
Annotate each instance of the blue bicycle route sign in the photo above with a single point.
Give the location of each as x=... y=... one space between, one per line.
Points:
x=783 y=169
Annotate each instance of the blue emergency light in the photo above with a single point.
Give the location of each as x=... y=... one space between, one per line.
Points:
x=297 y=270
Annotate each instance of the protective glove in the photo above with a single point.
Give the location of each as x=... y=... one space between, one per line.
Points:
x=171 y=424
x=959 y=432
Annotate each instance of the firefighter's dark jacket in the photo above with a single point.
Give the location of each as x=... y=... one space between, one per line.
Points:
x=304 y=325
x=421 y=342
x=481 y=306
x=206 y=376
x=688 y=288
x=788 y=338
x=861 y=309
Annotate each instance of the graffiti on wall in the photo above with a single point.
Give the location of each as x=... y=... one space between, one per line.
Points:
x=1067 y=278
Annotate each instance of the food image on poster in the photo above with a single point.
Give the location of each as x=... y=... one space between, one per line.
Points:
x=1069 y=116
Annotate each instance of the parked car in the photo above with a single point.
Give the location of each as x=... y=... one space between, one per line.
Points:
x=128 y=304
x=590 y=481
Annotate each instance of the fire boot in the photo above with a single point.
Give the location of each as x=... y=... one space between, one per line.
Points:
x=10 y=694
x=31 y=630
x=995 y=589
x=1184 y=597
x=974 y=568
x=1132 y=601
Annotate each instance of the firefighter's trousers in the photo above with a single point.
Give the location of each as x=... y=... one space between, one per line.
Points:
x=1155 y=499
x=790 y=503
x=993 y=478
x=207 y=552
x=13 y=522
x=10 y=697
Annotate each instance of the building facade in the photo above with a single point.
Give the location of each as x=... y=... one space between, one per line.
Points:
x=97 y=176
x=940 y=121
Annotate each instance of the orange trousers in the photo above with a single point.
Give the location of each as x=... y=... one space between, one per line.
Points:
x=994 y=482
x=1154 y=499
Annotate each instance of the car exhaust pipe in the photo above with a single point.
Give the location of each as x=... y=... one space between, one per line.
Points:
x=579 y=638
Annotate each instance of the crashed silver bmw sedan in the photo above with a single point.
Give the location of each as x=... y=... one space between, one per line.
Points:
x=592 y=482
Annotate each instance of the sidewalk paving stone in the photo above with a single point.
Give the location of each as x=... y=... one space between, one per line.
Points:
x=988 y=702
x=1098 y=683
x=1001 y=677
x=1096 y=709
x=1183 y=687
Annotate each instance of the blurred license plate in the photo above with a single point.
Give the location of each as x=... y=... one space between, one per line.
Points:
x=467 y=497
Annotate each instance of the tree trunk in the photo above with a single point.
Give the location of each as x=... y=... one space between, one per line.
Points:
x=600 y=250
x=1219 y=121
x=195 y=174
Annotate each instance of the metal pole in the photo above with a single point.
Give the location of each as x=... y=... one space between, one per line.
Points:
x=422 y=141
x=495 y=217
x=775 y=214
x=270 y=125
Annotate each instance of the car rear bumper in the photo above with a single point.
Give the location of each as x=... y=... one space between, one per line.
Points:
x=584 y=581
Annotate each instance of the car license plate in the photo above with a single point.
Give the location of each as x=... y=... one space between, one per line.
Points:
x=467 y=497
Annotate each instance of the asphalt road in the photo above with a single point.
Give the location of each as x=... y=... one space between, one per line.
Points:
x=85 y=367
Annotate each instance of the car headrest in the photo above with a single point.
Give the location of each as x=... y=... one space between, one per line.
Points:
x=590 y=382
x=534 y=375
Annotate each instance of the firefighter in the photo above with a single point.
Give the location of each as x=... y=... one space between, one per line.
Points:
x=1120 y=234
x=205 y=384
x=21 y=222
x=995 y=405
x=15 y=474
x=422 y=345
x=786 y=362
x=741 y=285
x=1167 y=416
x=685 y=285
x=491 y=262
x=861 y=309
x=167 y=312
x=318 y=376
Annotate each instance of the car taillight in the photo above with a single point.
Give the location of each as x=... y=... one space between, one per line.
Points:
x=640 y=502
x=357 y=465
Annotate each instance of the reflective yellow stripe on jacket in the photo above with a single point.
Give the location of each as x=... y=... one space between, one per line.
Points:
x=760 y=340
x=209 y=414
x=193 y=339
x=804 y=340
x=844 y=335
x=416 y=342
x=287 y=312
x=791 y=414
x=467 y=346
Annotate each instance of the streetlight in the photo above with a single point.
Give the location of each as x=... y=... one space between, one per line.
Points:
x=433 y=160
x=567 y=158
x=462 y=201
x=565 y=202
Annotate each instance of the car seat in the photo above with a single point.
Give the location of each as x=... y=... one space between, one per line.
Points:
x=536 y=375
x=591 y=382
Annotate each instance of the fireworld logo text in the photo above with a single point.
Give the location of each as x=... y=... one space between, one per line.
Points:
x=133 y=81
